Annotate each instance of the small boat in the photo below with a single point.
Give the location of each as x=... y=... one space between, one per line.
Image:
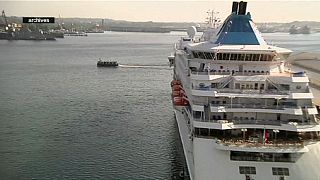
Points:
x=101 y=63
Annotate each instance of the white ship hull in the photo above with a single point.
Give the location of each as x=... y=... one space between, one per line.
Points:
x=206 y=160
x=242 y=113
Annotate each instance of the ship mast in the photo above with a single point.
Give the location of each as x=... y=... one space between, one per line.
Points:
x=5 y=18
x=212 y=19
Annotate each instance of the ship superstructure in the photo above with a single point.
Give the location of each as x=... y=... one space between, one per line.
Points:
x=242 y=112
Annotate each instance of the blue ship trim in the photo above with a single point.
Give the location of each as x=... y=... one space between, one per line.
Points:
x=237 y=30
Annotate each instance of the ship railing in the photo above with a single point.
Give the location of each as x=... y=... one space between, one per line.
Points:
x=241 y=91
x=221 y=121
x=258 y=121
x=199 y=103
x=257 y=106
x=253 y=91
x=258 y=142
x=247 y=121
x=251 y=73
x=209 y=73
x=228 y=72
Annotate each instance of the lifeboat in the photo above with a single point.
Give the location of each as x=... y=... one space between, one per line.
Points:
x=175 y=82
x=185 y=101
x=176 y=87
x=177 y=101
x=180 y=101
x=176 y=93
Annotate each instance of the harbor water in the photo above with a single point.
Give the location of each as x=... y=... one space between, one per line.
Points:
x=61 y=117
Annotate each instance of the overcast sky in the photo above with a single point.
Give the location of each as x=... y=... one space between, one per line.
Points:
x=164 y=10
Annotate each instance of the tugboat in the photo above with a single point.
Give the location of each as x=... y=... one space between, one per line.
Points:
x=101 y=63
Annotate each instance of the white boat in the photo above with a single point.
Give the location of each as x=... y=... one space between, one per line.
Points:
x=242 y=113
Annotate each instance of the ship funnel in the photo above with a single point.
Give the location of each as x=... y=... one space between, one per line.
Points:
x=242 y=8
x=235 y=7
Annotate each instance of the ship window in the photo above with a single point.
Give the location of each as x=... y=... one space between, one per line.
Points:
x=219 y=56
x=195 y=54
x=226 y=56
x=202 y=56
x=248 y=57
x=257 y=57
x=221 y=67
x=264 y=157
x=247 y=170
x=252 y=57
x=233 y=57
x=277 y=171
x=241 y=57
x=208 y=55
x=213 y=56
x=237 y=86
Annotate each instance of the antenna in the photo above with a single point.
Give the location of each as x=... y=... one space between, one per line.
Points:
x=5 y=18
x=212 y=19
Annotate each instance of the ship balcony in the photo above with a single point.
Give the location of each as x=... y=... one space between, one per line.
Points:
x=254 y=145
x=207 y=91
x=296 y=125
x=206 y=76
x=281 y=109
x=259 y=140
x=215 y=74
x=255 y=108
x=246 y=93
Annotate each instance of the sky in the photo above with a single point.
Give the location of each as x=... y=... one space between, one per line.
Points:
x=164 y=10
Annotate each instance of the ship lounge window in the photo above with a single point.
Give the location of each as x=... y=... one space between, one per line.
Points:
x=247 y=170
x=233 y=57
x=225 y=56
x=201 y=55
x=248 y=57
x=213 y=55
x=195 y=54
x=208 y=55
x=263 y=157
x=278 y=171
x=242 y=57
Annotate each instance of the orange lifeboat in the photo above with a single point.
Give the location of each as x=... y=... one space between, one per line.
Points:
x=177 y=101
x=185 y=101
x=180 y=101
x=175 y=82
x=176 y=93
x=176 y=87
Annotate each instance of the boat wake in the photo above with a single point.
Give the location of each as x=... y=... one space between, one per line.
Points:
x=166 y=67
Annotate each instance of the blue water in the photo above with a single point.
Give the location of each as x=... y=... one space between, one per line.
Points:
x=61 y=117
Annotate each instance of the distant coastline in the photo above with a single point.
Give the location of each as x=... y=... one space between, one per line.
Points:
x=150 y=26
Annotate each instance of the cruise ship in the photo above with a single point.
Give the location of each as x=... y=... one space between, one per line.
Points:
x=242 y=113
